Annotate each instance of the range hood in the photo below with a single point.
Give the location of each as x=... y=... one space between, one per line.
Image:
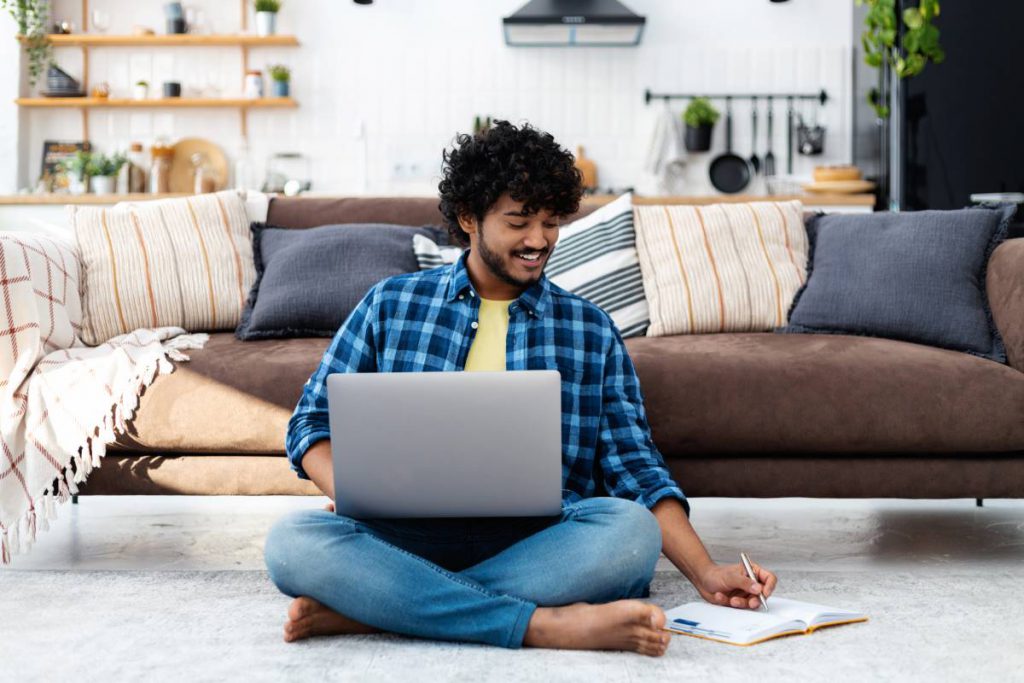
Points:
x=569 y=23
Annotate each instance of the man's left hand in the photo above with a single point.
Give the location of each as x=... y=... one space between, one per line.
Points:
x=729 y=585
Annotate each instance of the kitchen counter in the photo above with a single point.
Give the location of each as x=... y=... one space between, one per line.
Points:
x=63 y=199
x=828 y=203
x=809 y=199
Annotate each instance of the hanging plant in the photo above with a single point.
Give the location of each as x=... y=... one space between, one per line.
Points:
x=919 y=46
x=33 y=17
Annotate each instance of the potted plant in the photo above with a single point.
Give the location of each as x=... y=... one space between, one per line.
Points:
x=75 y=168
x=280 y=75
x=102 y=171
x=900 y=51
x=33 y=19
x=266 y=16
x=141 y=90
x=700 y=117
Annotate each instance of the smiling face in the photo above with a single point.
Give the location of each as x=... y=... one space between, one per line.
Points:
x=508 y=249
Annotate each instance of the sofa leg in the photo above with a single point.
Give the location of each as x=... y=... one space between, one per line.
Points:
x=74 y=499
x=979 y=502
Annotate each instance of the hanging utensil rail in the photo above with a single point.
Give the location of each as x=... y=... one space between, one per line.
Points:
x=821 y=96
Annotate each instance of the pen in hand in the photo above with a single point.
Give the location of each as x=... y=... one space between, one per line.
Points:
x=750 y=573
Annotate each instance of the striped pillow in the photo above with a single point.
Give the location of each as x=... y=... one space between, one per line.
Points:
x=596 y=258
x=430 y=255
x=721 y=268
x=175 y=262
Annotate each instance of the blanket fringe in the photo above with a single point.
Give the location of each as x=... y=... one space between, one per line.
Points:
x=12 y=538
x=94 y=447
x=62 y=492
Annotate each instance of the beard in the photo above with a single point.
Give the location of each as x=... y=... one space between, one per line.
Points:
x=497 y=265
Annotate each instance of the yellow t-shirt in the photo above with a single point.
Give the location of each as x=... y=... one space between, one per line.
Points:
x=487 y=352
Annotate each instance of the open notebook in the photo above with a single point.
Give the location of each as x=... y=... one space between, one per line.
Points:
x=746 y=627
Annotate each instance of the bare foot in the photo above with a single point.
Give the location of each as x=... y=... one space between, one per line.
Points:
x=307 y=617
x=622 y=625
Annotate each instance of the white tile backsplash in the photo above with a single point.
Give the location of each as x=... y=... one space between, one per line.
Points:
x=416 y=73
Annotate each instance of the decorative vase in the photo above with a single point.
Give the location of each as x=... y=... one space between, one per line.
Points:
x=266 y=23
x=280 y=89
x=698 y=139
x=76 y=186
x=102 y=184
x=141 y=92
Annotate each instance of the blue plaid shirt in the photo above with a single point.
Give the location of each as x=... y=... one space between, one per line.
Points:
x=423 y=322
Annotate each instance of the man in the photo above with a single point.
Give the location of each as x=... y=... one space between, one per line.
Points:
x=566 y=582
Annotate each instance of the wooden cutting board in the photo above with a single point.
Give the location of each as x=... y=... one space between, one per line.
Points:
x=587 y=168
x=182 y=175
x=840 y=186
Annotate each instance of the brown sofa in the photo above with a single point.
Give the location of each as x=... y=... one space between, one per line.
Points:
x=759 y=415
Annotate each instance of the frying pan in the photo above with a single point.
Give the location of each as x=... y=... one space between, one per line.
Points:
x=730 y=173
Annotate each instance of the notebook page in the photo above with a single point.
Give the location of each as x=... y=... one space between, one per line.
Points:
x=809 y=612
x=738 y=626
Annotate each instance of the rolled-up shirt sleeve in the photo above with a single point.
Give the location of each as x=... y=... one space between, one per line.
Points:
x=353 y=349
x=631 y=464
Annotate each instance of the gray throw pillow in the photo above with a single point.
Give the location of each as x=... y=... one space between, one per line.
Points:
x=309 y=281
x=914 y=276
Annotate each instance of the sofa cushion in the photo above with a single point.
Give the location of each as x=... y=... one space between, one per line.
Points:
x=749 y=393
x=309 y=212
x=184 y=262
x=918 y=276
x=722 y=393
x=596 y=258
x=231 y=397
x=722 y=267
x=309 y=281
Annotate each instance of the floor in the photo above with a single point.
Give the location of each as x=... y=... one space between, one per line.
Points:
x=940 y=579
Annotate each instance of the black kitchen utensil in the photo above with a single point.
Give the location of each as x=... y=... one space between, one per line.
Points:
x=755 y=161
x=810 y=140
x=789 y=135
x=769 y=157
x=729 y=172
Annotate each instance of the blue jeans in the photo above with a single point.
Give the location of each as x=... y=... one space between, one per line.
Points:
x=474 y=580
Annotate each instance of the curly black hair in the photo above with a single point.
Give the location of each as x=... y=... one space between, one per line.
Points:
x=524 y=162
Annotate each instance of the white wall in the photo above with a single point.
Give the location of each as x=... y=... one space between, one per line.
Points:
x=412 y=73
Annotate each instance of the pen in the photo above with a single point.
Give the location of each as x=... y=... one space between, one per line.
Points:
x=750 y=573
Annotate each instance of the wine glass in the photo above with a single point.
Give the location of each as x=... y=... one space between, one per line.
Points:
x=100 y=20
x=214 y=84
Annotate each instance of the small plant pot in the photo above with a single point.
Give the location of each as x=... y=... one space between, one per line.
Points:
x=266 y=23
x=698 y=139
x=172 y=89
x=141 y=92
x=76 y=186
x=280 y=88
x=102 y=184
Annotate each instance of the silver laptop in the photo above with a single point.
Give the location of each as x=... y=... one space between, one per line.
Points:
x=446 y=444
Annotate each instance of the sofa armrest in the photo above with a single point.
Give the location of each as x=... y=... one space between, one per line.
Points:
x=1005 y=285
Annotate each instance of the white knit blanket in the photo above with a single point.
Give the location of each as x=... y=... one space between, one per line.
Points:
x=61 y=402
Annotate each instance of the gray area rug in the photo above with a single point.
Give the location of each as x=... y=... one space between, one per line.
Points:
x=226 y=625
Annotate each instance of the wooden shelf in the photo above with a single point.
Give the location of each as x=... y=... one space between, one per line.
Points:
x=168 y=40
x=50 y=199
x=167 y=102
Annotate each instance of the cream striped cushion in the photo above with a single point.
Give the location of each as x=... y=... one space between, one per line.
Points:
x=184 y=262
x=720 y=268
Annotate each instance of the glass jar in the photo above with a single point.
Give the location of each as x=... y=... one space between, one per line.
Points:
x=202 y=174
x=160 y=171
x=253 y=85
